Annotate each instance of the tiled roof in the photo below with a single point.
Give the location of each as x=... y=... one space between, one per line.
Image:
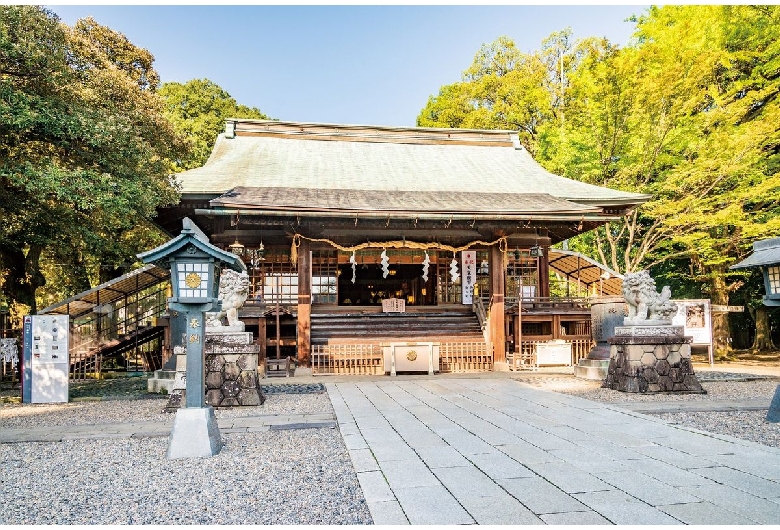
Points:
x=369 y=201
x=404 y=161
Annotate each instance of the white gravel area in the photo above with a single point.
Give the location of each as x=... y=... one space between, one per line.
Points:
x=17 y=415
x=745 y=425
x=272 y=477
x=290 y=477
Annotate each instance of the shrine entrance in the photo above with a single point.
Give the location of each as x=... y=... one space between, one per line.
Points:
x=404 y=278
x=370 y=288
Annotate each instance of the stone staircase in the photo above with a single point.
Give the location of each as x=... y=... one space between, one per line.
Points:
x=455 y=324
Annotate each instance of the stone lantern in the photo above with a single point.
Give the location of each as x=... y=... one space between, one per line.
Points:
x=766 y=256
x=195 y=266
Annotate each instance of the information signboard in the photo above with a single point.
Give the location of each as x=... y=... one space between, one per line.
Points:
x=45 y=360
x=694 y=315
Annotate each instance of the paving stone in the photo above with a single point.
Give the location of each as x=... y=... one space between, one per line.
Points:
x=349 y=427
x=760 y=465
x=363 y=460
x=354 y=441
x=540 y=496
x=645 y=488
x=703 y=513
x=384 y=434
x=758 y=510
x=574 y=518
x=622 y=509
x=435 y=457
x=748 y=483
x=432 y=505
x=467 y=481
x=502 y=509
x=585 y=461
x=671 y=475
x=388 y=452
x=673 y=457
x=387 y=513
x=497 y=465
x=468 y=444
x=549 y=442
x=375 y=487
x=410 y=473
x=525 y=453
x=566 y=477
x=304 y=425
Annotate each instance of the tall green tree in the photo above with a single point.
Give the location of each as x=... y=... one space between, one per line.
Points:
x=688 y=113
x=85 y=149
x=198 y=109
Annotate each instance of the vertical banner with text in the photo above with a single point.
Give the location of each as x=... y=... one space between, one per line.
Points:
x=469 y=271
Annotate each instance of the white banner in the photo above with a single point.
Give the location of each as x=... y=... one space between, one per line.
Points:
x=468 y=275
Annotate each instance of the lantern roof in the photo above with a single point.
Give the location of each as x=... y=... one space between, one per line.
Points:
x=193 y=237
x=765 y=252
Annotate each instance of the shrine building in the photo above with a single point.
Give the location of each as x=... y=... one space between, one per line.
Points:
x=358 y=235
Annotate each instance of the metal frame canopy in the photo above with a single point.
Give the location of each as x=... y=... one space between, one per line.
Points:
x=108 y=292
x=589 y=272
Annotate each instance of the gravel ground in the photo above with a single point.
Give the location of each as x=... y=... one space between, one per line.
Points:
x=149 y=409
x=274 y=477
x=291 y=477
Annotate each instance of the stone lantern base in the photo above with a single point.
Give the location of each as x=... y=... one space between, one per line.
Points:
x=231 y=372
x=650 y=359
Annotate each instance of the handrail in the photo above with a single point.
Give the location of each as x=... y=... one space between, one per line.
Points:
x=483 y=316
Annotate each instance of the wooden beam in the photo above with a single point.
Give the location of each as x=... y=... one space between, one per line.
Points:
x=304 y=303
x=497 y=328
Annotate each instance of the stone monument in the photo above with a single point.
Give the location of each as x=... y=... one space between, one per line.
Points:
x=647 y=353
x=231 y=354
x=606 y=313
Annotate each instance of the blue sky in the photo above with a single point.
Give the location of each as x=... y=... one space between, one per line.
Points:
x=374 y=65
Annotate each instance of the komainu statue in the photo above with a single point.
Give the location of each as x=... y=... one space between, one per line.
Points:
x=233 y=292
x=645 y=305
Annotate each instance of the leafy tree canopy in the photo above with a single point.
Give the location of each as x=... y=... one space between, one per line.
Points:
x=198 y=109
x=688 y=113
x=85 y=149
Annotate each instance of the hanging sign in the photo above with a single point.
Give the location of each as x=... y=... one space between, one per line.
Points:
x=469 y=271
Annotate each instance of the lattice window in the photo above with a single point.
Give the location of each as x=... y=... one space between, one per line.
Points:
x=774 y=280
x=324 y=276
x=522 y=272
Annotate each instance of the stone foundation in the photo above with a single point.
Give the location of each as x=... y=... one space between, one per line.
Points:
x=651 y=359
x=231 y=372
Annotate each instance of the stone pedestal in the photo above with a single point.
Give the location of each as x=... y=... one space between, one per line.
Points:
x=195 y=434
x=231 y=371
x=650 y=359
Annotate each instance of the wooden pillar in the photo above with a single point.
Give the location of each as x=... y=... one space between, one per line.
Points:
x=497 y=329
x=304 y=303
x=544 y=272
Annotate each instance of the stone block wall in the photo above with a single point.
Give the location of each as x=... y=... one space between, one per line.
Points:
x=642 y=365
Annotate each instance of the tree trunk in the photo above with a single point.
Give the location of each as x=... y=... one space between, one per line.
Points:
x=721 y=330
x=23 y=277
x=763 y=340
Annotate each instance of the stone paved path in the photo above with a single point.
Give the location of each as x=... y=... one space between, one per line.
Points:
x=491 y=451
